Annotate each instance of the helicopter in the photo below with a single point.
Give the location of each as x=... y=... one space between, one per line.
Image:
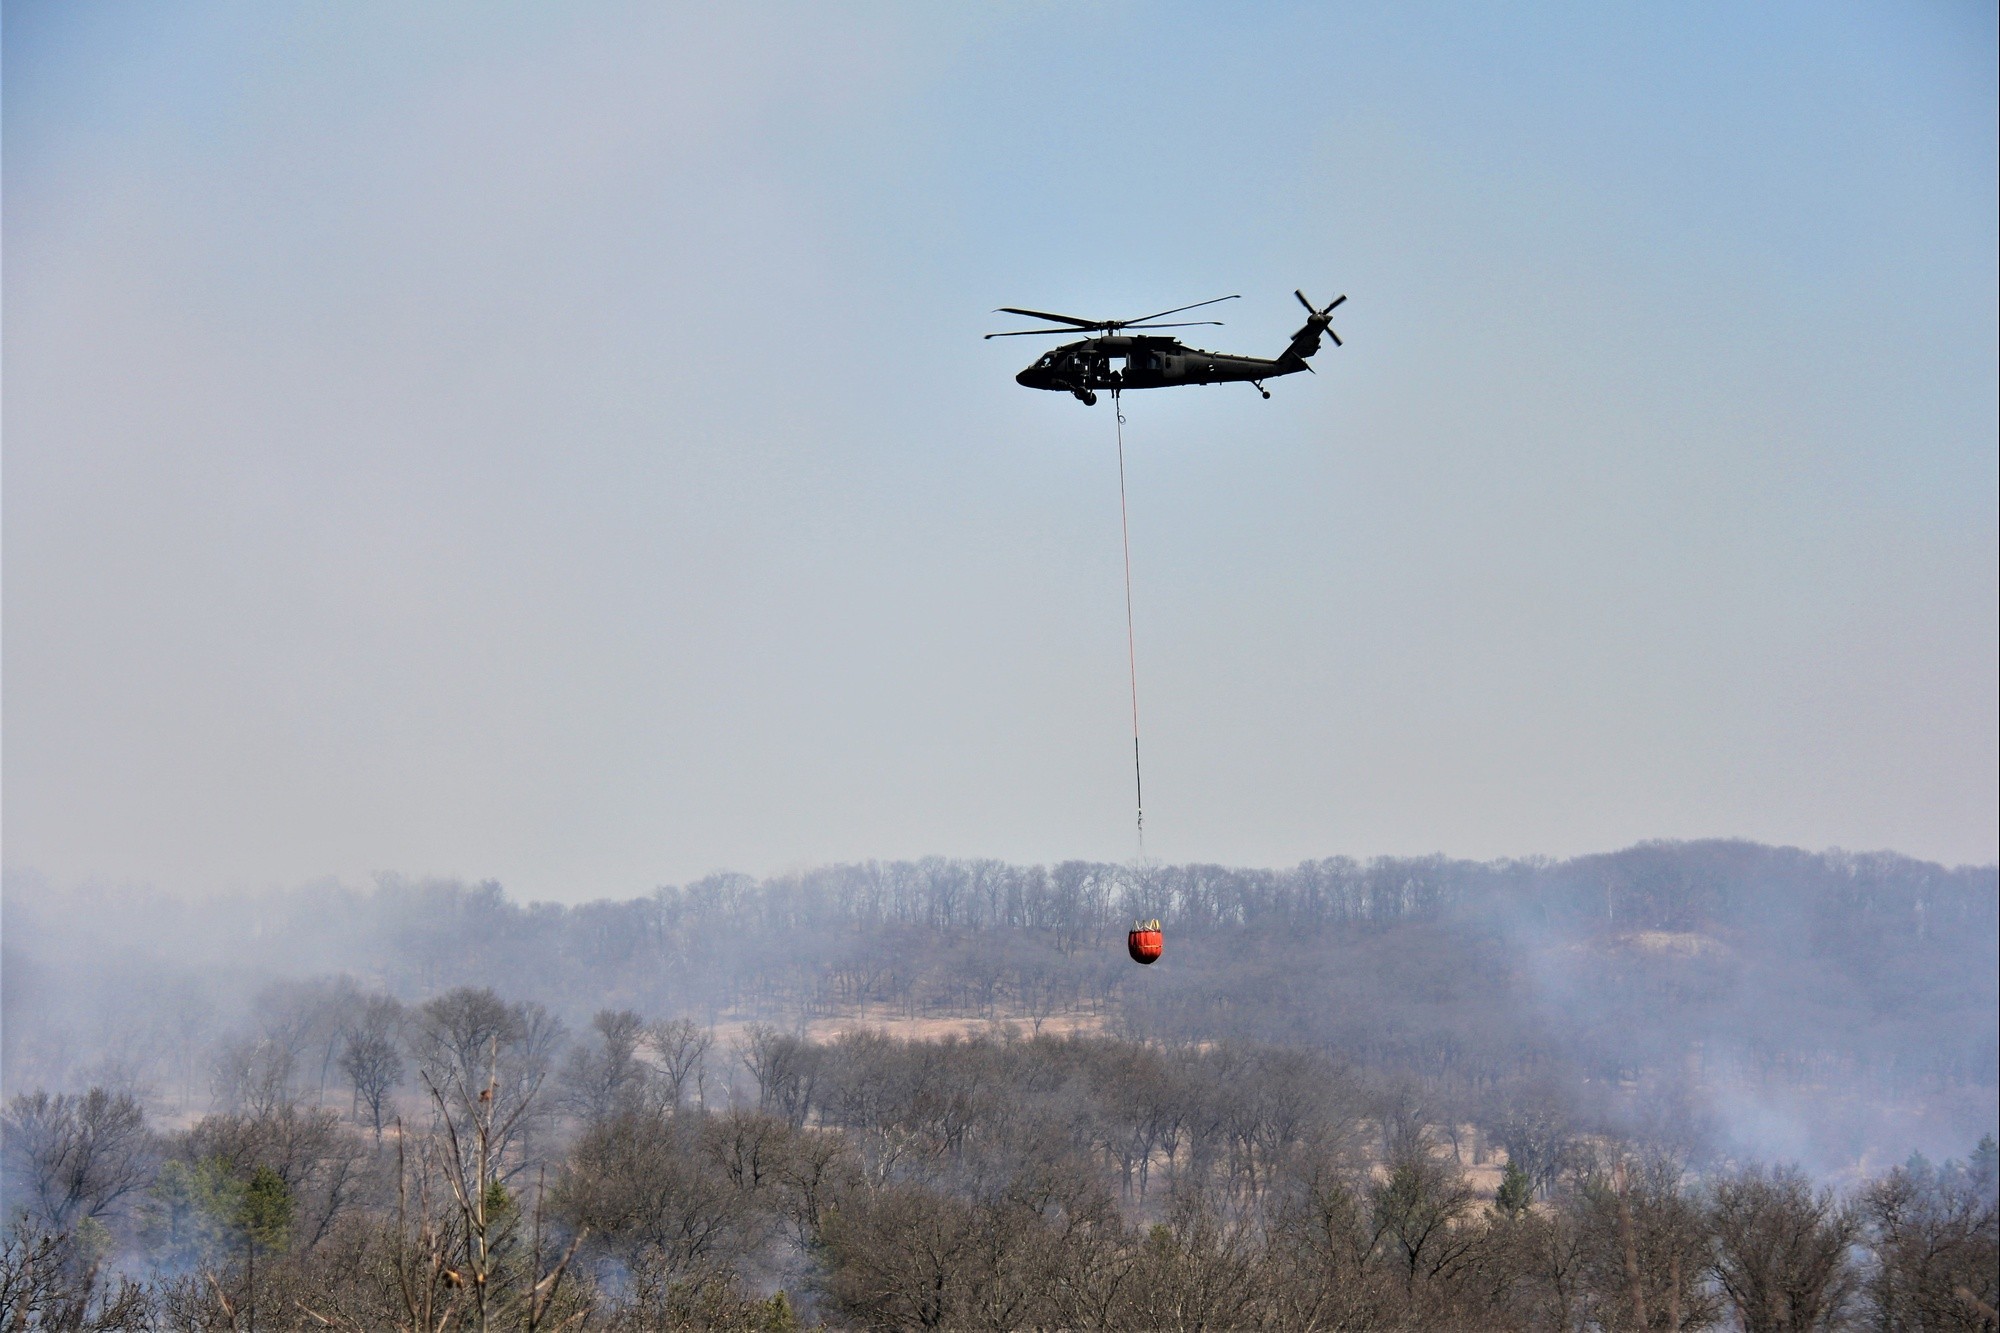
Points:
x=1123 y=358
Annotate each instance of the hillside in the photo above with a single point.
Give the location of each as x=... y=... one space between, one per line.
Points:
x=1821 y=1006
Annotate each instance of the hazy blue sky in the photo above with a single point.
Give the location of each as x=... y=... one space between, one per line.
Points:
x=555 y=443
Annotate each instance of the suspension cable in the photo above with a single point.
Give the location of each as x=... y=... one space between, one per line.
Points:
x=1131 y=641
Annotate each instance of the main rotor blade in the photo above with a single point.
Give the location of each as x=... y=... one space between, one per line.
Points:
x=1336 y=338
x=1060 y=319
x=1177 y=309
x=1310 y=307
x=1331 y=304
x=1030 y=333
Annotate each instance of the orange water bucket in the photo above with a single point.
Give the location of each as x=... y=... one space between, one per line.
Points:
x=1144 y=942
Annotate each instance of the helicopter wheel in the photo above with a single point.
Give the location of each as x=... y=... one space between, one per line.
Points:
x=1087 y=398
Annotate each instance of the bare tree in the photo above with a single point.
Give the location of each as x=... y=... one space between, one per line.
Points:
x=48 y=1281
x=610 y=1080
x=1534 y=1129
x=1551 y=1257
x=650 y=1197
x=452 y=1035
x=1645 y=1242
x=189 y=1020
x=473 y=1147
x=900 y=1258
x=819 y=1166
x=311 y=1018
x=256 y=1074
x=1201 y=1268
x=74 y=1157
x=468 y=1042
x=316 y=1159
x=1781 y=1250
x=786 y=1070
x=372 y=1059
x=1417 y=1210
x=424 y=1245
x=680 y=1045
x=1935 y=1236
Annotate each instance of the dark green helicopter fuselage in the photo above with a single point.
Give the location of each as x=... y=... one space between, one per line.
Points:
x=1136 y=361
x=1116 y=360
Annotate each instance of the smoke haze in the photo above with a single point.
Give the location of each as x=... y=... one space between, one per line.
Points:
x=1833 y=1010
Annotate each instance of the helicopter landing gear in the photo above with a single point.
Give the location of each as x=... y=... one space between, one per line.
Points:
x=1085 y=396
x=1259 y=387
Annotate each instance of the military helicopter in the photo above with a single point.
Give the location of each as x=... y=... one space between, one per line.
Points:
x=1122 y=358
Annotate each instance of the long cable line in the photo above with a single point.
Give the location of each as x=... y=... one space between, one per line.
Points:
x=1131 y=641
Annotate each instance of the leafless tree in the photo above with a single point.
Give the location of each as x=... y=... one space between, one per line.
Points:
x=1935 y=1238
x=901 y=1258
x=1200 y=1268
x=786 y=1070
x=256 y=1074
x=473 y=1147
x=819 y=1167
x=680 y=1045
x=71 y=1157
x=1550 y=1253
x=1534 y=1128
x=452 y=1035
x=1645 y=1242
x=1417 y=1210
x=468 y=1042
x=47 y=1281
x=318 y=1160
x=188 y=1020
x=608 y=1080
x=311 y=1018
x=1781 y=1250
x=1323 y=1256
x=372 y=1057
x=1040 y=989
x=650 y=1197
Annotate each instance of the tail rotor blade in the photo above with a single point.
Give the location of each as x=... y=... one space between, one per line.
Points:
x=1331 y=304
x=1336 y=338
x=1310 y=308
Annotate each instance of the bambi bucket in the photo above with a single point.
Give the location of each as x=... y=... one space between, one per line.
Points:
x=1144 y=942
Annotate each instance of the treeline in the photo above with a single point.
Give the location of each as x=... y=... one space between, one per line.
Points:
x=1647 y=977
x=469 y=1165
x=425 y=935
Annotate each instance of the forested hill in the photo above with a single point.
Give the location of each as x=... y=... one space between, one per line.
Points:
x=1702 y=972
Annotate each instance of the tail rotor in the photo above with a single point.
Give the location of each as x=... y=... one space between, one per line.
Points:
x=1317 y=319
